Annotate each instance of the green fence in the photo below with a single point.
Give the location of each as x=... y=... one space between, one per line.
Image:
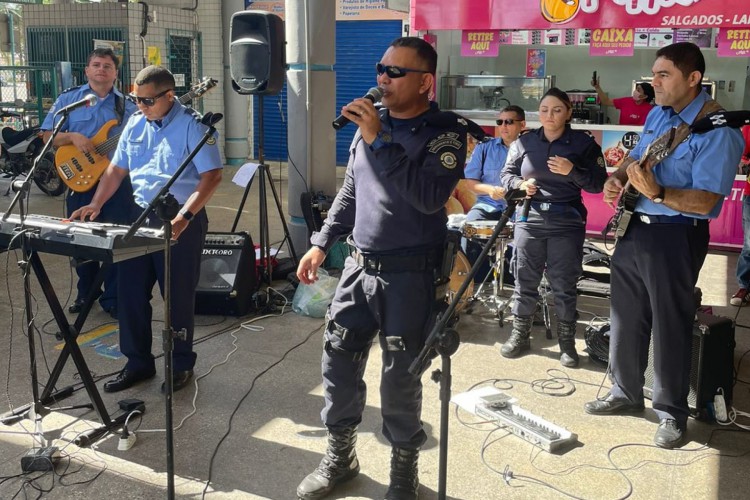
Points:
x=29 y=91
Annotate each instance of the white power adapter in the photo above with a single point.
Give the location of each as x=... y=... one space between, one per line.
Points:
x=127 y=440
x=720 y=408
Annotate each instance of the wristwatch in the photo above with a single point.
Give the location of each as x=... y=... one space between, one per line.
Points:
x=186 y=214
x=382 y=140
x=659 y=198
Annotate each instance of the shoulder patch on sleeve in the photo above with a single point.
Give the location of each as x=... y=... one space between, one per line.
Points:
x=211 y=141
x=600 y=161
x=449 y=140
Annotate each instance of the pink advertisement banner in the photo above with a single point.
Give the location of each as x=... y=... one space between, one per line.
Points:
x=544 y=14
x=733 y=43
x=480 y=43
x=614 y=42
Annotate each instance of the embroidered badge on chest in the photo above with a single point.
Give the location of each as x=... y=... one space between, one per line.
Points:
x=448 y=160
x=446 y=140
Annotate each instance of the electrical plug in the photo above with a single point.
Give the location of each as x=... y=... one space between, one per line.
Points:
x=720 y=408
x=127 y=440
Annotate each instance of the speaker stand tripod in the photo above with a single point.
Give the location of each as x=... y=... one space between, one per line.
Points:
x=264 y=176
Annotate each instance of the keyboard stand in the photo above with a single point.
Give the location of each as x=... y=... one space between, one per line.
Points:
x=69 y=334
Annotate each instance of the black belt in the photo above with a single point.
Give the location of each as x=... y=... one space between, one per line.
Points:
x=396 y=263
x=551 y=206
x=669 y=219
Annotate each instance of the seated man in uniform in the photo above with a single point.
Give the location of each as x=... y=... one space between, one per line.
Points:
x=482 y=175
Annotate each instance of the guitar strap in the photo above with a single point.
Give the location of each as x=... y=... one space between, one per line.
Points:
x=682 y=132
x=119 y=107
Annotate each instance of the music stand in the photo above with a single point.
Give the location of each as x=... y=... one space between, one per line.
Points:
x=264 y=175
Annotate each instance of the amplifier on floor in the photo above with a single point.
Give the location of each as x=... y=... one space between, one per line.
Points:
x=228 y=277
x=712 y=364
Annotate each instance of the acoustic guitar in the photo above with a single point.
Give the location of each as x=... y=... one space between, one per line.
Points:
x=81 y=171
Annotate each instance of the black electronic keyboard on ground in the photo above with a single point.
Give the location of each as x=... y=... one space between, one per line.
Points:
x=83 y=240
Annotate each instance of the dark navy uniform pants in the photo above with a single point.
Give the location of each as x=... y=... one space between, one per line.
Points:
x=654 y=271
x=117 y=210
x=400 y=306
x=136 y=281
x=552 y=238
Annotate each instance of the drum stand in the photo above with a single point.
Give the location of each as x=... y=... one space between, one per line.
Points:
x=494 y=304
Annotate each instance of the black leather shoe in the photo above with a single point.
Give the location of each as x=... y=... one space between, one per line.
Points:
x=179 y=380
x=127 y=378
x=669 y=434
x=76 y=306
x=112 y=311
x=612 y=406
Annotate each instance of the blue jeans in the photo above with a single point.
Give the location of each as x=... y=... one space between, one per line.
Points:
x=743 y=261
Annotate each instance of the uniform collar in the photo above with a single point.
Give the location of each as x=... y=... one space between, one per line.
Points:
x=168 y=117
x=565 y=137
x=690 y=111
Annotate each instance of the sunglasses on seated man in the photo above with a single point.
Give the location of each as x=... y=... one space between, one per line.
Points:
x=396 y=71
x=147 y=101
x=507 y=121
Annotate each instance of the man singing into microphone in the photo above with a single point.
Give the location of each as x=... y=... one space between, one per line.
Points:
x=405 y=162
x=657 y=261
x=83 y=123
x=563 y=161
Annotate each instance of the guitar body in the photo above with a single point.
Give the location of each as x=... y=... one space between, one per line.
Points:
x=79 y=171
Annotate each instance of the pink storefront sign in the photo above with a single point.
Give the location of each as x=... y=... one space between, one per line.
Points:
x=480 y=43
x=733 y=43
x=543 y=14
x=612 y=42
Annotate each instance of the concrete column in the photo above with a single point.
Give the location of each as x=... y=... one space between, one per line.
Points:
x=236 y=106
x=311 y=101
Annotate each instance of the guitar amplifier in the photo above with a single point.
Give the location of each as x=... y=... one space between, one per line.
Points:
x=228 y=277
x=712 y=365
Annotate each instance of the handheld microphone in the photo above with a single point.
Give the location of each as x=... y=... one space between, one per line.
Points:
x=374 y=95
x=86 y=102
x=526 y=204
x=734 y=119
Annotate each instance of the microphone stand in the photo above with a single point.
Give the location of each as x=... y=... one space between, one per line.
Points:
x=22 y=189
x=444 y=340
x=166 y=207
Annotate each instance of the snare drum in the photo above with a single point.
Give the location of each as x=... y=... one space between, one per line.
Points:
x=461 y=268
x=483 y=229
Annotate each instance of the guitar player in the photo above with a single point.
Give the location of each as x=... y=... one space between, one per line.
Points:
x=656 y=262
x=83 y=123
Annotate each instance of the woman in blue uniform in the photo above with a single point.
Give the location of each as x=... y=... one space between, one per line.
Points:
x=563 y=162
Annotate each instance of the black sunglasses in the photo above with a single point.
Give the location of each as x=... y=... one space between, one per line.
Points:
x=396 y=71
x=147 y=101
x=507 y=121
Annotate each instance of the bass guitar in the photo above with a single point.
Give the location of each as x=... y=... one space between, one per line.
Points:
x=662 y=148
x=81 y=171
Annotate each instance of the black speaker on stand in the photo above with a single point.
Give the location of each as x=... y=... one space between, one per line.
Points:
x=257 y=64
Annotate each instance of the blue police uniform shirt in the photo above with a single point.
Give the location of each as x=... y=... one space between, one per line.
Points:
x=485 y=165
x=152 y=152
x=527 y=159
x=705 y=162
x=88 y=120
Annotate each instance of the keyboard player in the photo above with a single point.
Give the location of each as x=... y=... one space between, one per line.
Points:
x=153 y=144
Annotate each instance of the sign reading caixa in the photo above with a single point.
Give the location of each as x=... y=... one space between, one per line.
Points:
x=545 y=14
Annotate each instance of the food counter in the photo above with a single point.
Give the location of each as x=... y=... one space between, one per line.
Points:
x=616 y=140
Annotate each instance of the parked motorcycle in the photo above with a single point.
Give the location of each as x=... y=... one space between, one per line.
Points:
x=19 y=149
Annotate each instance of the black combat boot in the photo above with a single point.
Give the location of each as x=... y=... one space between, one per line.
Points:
x=566 y=338
x=338 y=465
x=404 y=474
x=519 y=337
